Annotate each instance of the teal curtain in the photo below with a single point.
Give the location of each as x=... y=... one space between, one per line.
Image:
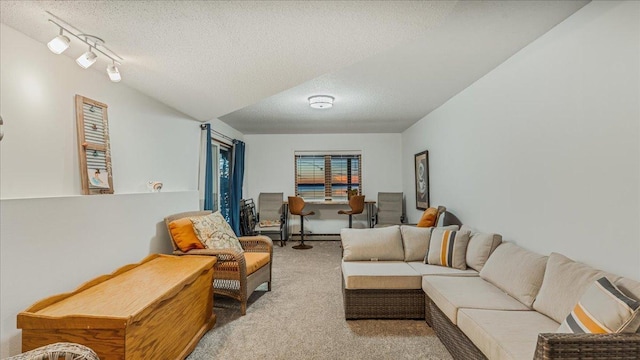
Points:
x=237 y=175
x=208 y=172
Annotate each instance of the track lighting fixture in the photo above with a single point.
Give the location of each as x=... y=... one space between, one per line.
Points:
x=61 y=42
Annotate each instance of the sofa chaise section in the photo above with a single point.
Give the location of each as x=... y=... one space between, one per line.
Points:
x=381 y=290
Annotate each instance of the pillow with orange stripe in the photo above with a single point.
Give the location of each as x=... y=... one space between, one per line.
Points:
x=603 y=309
x=448 y=248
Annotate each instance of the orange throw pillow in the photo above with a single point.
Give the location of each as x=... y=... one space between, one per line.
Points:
x=428 y=218
x=183 y=235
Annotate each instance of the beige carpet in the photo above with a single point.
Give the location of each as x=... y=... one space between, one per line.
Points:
x=303 y=318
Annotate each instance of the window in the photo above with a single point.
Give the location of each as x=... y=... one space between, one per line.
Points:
x=327 y=176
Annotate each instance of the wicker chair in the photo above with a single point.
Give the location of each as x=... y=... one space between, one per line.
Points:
x=230 y=277
x=61 y=350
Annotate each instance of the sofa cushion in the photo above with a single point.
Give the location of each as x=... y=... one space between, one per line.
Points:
x=504 y=335
x=602 y=309
x=631 y=288
x=379 y=275
x=451 y=293
x=480 y=247
x=384 y=244
x=564 y=283
x=448 y=248
x=255 y=260
x=416 y=241
x=426 y=269
x=516 y=271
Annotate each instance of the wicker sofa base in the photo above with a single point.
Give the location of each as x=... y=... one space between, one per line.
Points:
x=456 y=342
x=383 y=304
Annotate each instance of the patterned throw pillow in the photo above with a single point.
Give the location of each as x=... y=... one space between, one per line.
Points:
x=215 y=233
x=448 y=248
x=602 y=309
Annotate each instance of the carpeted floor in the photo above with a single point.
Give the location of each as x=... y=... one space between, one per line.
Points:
x=303 y=318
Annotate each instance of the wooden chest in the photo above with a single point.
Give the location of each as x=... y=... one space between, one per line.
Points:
x=157 y=309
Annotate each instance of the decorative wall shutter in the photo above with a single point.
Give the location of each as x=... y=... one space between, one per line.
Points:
x=93 y=146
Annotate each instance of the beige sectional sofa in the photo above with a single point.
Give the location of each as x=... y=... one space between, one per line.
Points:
x=508 y=304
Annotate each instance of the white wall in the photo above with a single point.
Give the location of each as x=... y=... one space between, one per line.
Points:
x=269 y=167
x=51 y=238
x=53 y=245
x=149 y=141
x=545 y=149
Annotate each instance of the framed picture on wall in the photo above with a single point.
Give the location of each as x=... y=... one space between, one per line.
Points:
x=422 y=180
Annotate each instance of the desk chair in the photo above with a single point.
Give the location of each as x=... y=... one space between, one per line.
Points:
x=356 y=203
x=296 y=205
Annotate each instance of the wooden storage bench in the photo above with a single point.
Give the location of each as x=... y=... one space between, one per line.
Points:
x=157 y=309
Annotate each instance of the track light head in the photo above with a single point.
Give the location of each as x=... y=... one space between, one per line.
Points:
x=59 y=43
x=114 y=73
x=87 y=59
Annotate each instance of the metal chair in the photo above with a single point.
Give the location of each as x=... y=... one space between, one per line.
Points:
x=356 y=203
x=270 y=218
x=247 y=217
x=390 y=208
x=296 y=207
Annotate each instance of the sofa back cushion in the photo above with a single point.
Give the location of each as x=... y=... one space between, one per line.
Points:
x=631 y=288
x=481 y=246
x=516 y=271
x=416 y=241
x=384 y=244
x=565 y=281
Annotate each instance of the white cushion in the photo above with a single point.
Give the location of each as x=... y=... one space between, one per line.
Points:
x=380 y=275
x=451 y=293
x=383 y=244
x=426 y=269
x=415 y=241
x=480 y=247
x=516 y=271
x=504 y=335
x=564 y=283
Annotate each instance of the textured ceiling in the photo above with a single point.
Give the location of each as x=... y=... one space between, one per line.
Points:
x=254 y=63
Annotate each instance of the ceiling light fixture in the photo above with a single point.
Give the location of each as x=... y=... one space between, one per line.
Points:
x=114 y=73
x=87 y=59
x=61 y=42
x=321 y=101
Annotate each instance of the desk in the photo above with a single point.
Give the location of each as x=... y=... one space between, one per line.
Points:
x=368 y=205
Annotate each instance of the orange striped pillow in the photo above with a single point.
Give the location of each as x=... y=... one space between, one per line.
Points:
x=448 y=248
x=603 y=309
